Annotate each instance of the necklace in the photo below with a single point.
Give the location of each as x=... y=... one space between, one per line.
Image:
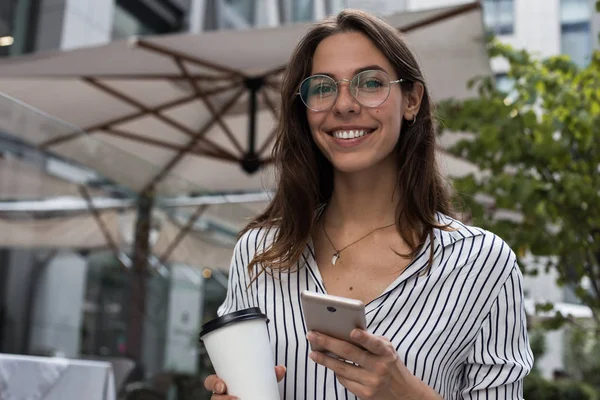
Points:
x=337 y=254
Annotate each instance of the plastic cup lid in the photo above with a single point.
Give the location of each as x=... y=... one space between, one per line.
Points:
x=232 y=318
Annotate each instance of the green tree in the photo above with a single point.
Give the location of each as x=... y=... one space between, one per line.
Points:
x=538 y=148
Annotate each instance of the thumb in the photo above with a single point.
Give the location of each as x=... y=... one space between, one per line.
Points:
x=280 y=372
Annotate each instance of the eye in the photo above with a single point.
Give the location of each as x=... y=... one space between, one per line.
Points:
x=371 y=83
x=321 y=89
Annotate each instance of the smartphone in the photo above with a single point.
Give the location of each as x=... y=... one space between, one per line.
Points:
x=332 y=315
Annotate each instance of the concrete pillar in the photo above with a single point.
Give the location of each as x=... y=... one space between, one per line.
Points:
x=266 y=13
x=196 y=16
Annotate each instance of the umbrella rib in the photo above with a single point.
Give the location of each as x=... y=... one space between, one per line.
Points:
x=182 y=233
x=159 y=143
x=442 y=16
x=135 y=103
x=132 y=136
x=163 y=118
x=160 y=108
x=275 y=71
x=269 y=103
x=129 y=117
x=193 y=142
x=126 y=118
x=210 y=106
x=267 y=143
x=109 y=239
x=273 y=85
x=271 y=136
x=159 y=77
x=176 y=54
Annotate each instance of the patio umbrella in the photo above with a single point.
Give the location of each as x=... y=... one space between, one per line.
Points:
x=197 y=111
x=179 y=114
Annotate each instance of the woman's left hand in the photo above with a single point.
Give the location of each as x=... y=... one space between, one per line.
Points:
x=377 y=372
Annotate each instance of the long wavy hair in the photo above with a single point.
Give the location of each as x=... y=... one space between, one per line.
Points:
x=305 y=176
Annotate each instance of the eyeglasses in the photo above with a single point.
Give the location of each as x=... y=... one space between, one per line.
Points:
x=370 y=88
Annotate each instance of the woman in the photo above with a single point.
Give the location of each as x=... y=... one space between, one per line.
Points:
x=361 y=211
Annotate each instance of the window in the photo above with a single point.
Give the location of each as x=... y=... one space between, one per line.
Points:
x=146 y=18
x=126 y=25
x=499 y=16
x=19 y=20
x=302 y=10
x=243 y=8
x=575 y=35
x=504 y=83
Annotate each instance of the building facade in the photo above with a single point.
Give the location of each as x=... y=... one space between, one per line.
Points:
x=38 y=25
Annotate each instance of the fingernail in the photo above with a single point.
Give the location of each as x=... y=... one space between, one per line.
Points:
x=220 y=388
x=313 y=356
x=311 y=336
x=356 y=334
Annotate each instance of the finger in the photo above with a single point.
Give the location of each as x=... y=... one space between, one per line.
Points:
x=377 y=345
x=361 y=391
x=215 y=385
x=341 y=368
x=345 y=350
x=280 y=371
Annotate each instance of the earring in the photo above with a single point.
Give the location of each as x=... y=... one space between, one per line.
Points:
x=412 y=122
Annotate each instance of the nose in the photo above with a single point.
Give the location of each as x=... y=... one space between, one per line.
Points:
x=345 y=103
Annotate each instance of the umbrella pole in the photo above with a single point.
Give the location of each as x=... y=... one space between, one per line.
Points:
x=139 y=274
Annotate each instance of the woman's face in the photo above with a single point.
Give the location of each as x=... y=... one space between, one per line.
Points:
x=342 y=56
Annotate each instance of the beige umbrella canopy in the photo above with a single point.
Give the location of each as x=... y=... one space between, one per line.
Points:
x=196 y=112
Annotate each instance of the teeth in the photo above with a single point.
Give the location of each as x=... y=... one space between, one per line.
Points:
x=349 y=134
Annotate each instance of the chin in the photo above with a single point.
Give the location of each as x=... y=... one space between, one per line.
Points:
x=352 y=165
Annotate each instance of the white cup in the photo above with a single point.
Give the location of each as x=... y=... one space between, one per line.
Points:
x=239 y=349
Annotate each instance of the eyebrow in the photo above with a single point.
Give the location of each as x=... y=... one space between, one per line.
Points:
x=356 y=71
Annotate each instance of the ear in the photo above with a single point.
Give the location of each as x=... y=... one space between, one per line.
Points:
x=413 y=101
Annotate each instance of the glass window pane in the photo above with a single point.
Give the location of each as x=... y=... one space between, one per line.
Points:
x=303 y=10
x=576 y=37
x=244 y=8
x=126 y=25
x=498 y=16
x=575 y=41
x=574 y=11
x=504 y=83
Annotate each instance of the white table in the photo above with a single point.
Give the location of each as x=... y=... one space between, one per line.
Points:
x=53 y=378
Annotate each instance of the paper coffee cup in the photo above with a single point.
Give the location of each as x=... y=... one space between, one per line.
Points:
x=239 y=349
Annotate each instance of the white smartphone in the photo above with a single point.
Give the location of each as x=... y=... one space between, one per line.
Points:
x=333 y=316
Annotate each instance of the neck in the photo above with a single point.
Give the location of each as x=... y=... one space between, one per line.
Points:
x=366 y=199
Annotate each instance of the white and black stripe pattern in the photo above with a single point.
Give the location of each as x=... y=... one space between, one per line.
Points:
x=460 y=328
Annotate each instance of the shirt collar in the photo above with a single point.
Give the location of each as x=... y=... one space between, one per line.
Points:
x=455 y=232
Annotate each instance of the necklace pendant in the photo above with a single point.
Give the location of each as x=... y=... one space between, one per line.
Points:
x=335 y=258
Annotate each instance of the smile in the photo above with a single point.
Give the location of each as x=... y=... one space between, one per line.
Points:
x=351 y=134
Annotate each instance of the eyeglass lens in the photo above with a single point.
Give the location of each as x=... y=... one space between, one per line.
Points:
x=369 y=88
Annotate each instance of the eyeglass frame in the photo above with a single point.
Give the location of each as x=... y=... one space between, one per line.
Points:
x=299 y=93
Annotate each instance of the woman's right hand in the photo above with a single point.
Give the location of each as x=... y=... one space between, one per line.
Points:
x=217 y=386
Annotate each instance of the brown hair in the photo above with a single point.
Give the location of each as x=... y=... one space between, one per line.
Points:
x=305 y=176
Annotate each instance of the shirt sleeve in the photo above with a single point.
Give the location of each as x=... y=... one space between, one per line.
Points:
x=501 y=356
x=239 y=291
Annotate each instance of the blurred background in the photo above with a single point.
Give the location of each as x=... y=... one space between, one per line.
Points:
x=134 y=146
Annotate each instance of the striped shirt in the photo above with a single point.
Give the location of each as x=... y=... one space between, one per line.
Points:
x=460 y=327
